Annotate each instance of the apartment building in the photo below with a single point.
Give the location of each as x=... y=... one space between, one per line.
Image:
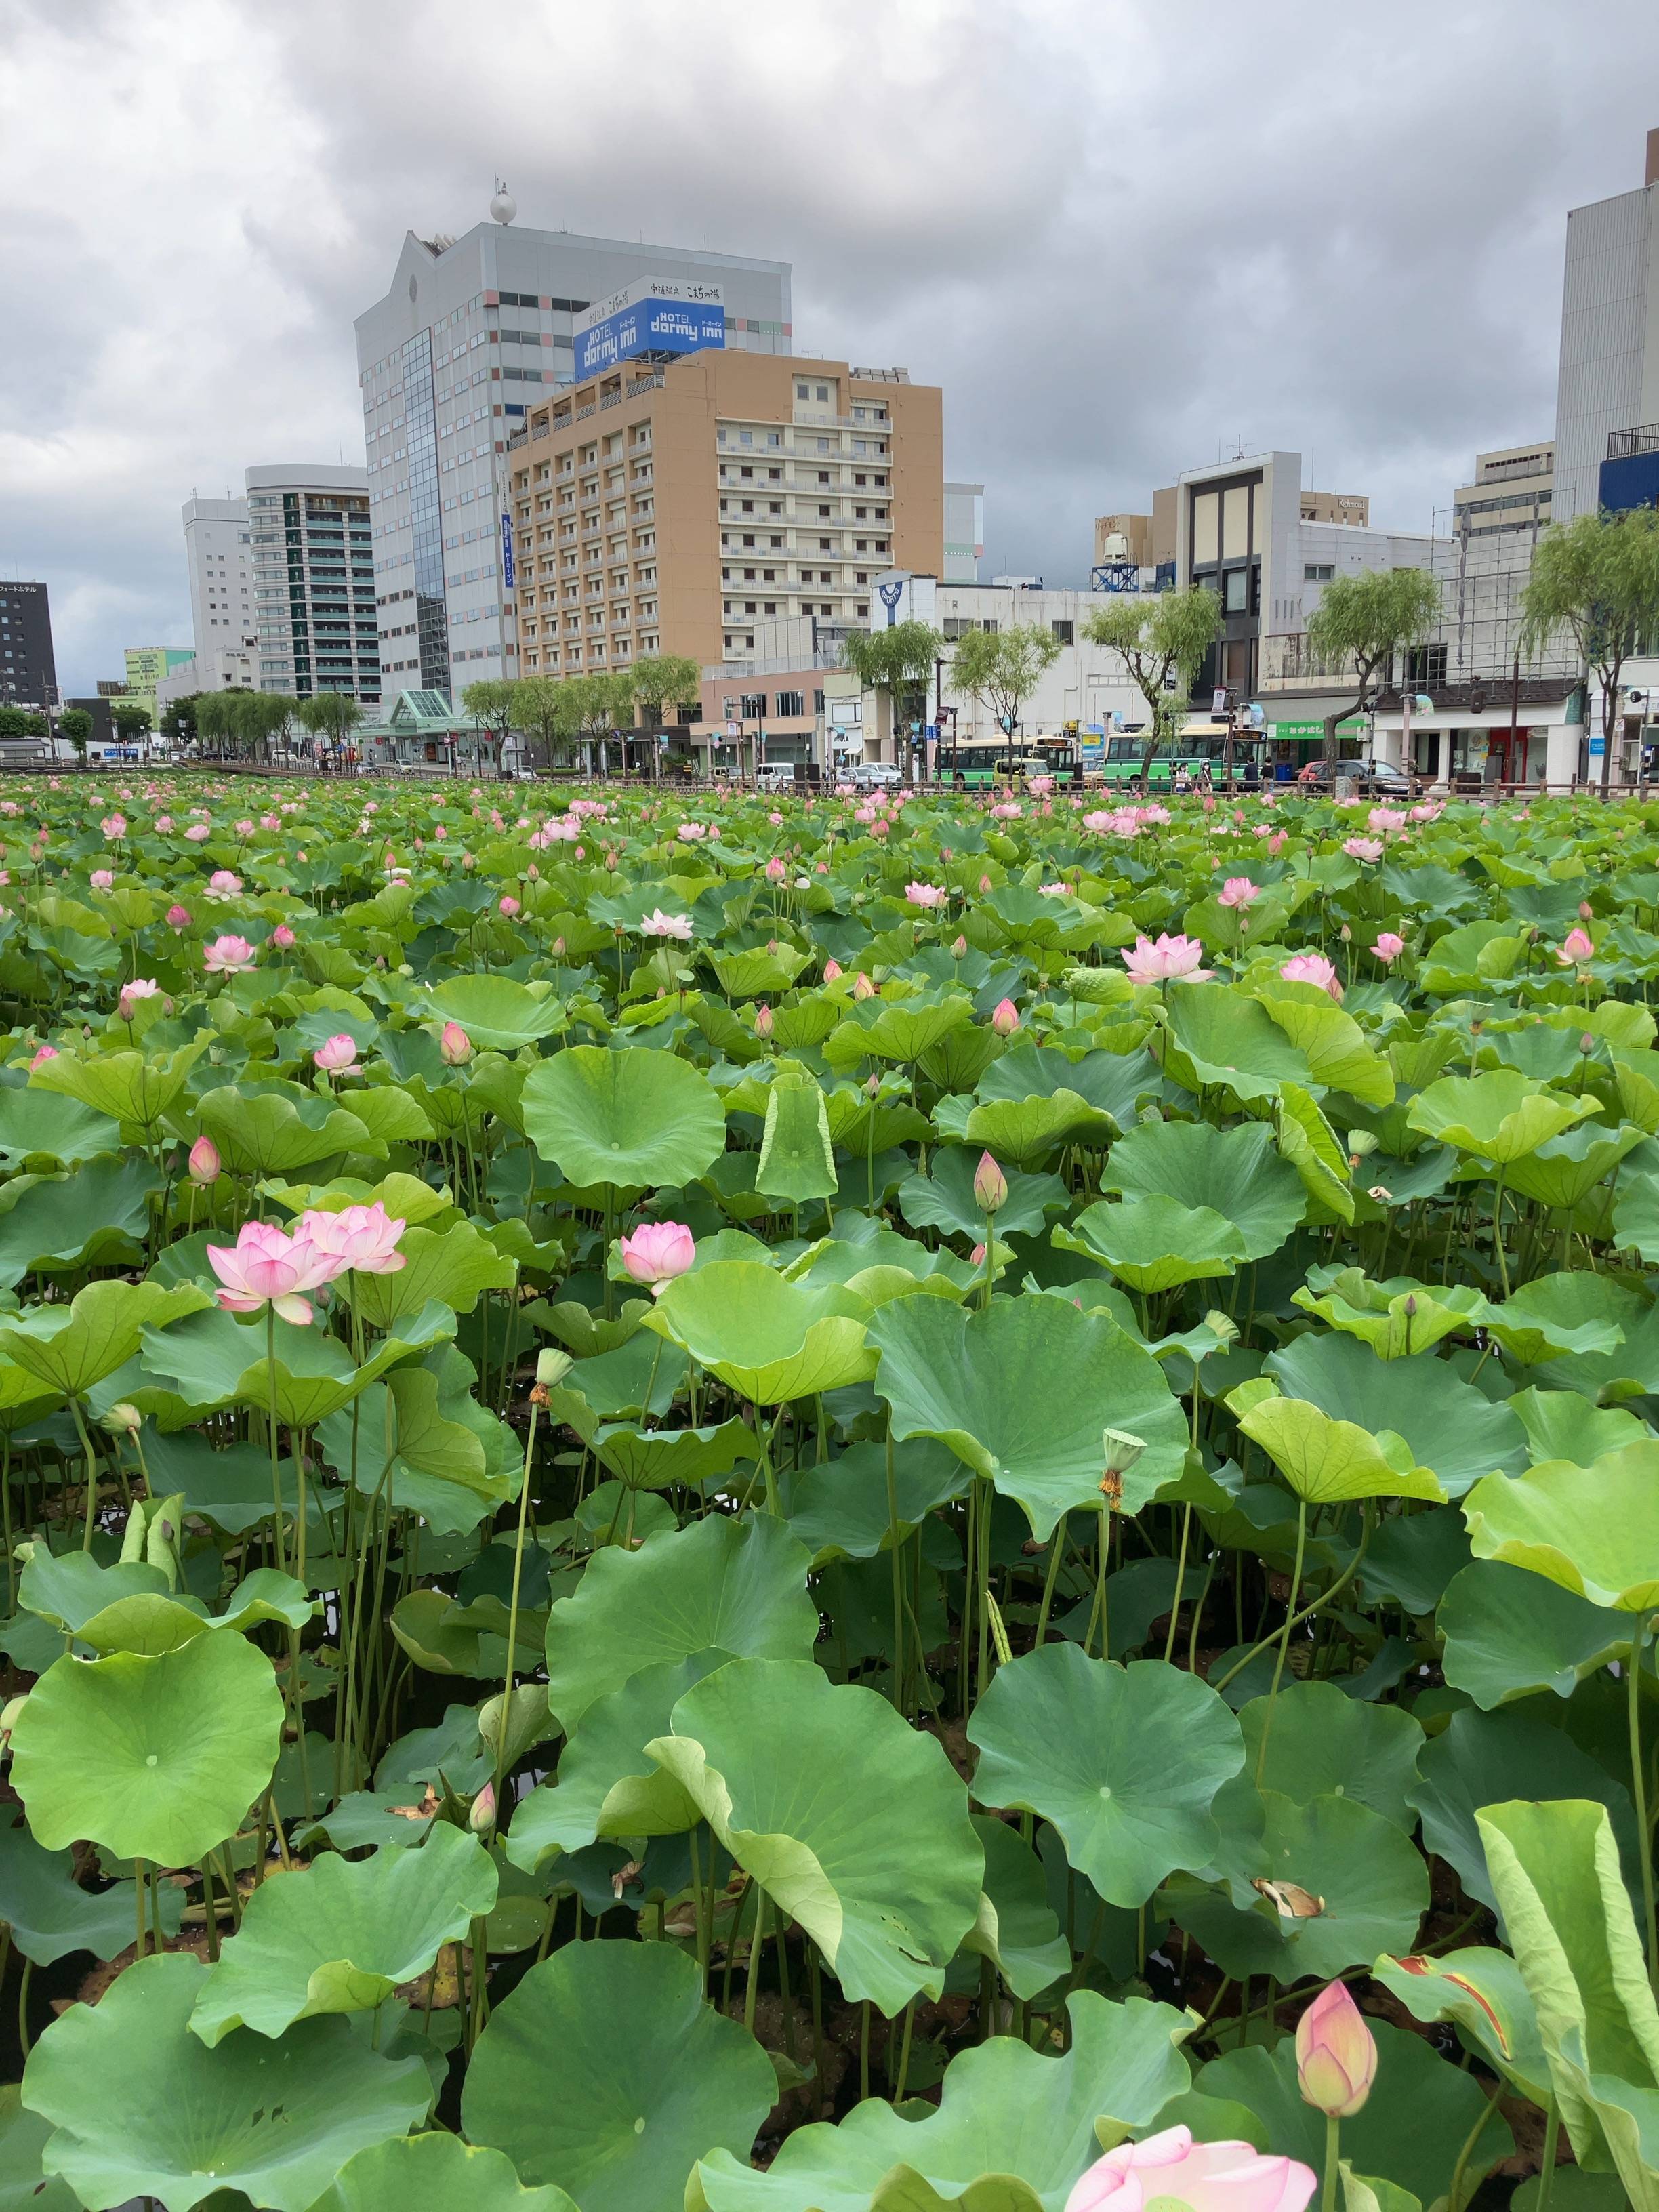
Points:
x=680 y=508
x=219 y=563
x=313 y=579
x=964 y=532
x=1608 y=389
x=473 y=332
x=28 y=671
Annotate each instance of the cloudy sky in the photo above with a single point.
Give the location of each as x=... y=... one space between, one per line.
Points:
x=1123 y=234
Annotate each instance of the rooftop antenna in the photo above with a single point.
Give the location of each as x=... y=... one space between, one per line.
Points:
x=503 y=207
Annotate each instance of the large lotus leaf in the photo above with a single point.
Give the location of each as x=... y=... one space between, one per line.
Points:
x=156 y=1758
x=1421 y=2111
x=1579 y=1314
x=1556 y=1871
x=649 y=2079
x=143 y=2108
x=1234 y=1172
x=1114 y=1082
x=855 y=1824
x=1594 y=1530
x=268 y=1133
x=944 y=1198
x=1003 y=2109
x=1323 y=1742
x=796 y=1160
x=985 y=1384
x=126 y=1086
x=50 y=1914
x=903 y=1030
x=68 y=1588
x=1566 y=1169
x=98 y=1219
x=841 y=1509
x=341 y=1934
x=1565 y=1424
x=1508 y=1634
x=622 y=1117
x=1327 y=1461
x=1395 y=1321
x=720 y=1585
x=769 y=1339
x=439 y=2172
x=69 y=1348
x=147 y=1621
x=1026 y=1130
x=1016 y=1928
x=1448 y=1425
x=608 y=1784
x=1311 y=1147
x=450 y=1267
x=1124 y=1761
x=213 y=1359
x=33 y=1122
x=1499 y=1116
x=1224 y=1038
x=1483 y=1993
x=495 y=1013
x=1332 y=1041
x=1485 y=1759
x=23 y=2136
x=1155 y=1244
x=652 y=1459
x=872 y=1258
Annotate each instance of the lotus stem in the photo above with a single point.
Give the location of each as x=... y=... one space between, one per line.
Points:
x=1332 y=2162
x=1284 y=1640
x=1639 y=1793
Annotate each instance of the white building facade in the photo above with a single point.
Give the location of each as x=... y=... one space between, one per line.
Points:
x=1609 y=379
x=219 y=560
x=313 y=581
x=471 y=331
x=964 y=532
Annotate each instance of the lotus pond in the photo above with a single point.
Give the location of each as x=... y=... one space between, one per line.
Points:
x=830 y=1503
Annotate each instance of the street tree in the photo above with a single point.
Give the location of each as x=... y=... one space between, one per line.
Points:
x=256 y=718
x=662 y=680
x=899 y=662
x=131 y=720
x=1598 y=578
x=329 y=716
x=19 y=723
x=1360 y=623
x=539 y=714
x=179 y=718
x=1160 y=643
x=490 y=704
x=1002 y=668
x=75 y=728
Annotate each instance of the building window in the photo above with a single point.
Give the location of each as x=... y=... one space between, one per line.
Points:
x=791 y=702
x=1236 y=591
x=1318 y=572
x=1426 y=667
x=1062 y=630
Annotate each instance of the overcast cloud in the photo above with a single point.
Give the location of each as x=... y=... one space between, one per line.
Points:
x=1122 y=234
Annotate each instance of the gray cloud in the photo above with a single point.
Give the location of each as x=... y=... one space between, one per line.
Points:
x=1120 y=236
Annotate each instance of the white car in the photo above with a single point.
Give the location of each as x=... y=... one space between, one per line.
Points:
x=871 y=775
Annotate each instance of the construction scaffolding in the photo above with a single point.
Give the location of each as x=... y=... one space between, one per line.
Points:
x=1482 y=574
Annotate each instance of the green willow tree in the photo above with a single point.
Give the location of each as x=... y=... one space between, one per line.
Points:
x=1161 y=643
x=898 y=662
x=659 y=681
x=1361 y=623
x=1598 y=578
x=75 y=726
x=331 y=716
x=539 y=714
x=1003 y=668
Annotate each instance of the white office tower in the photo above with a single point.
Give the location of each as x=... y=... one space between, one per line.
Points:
x=1609 y=375
x=218 y=553
x=470 y=330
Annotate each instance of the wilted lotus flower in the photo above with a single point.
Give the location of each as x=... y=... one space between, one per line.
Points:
x=337 y=1055
x=1004 y=1018
x=1335 y=2054
x=990 y=1186
x=206 y=1166
x=657 y=1252
x=454 y=1045
x=1121 y=1450
x=1170 y=2168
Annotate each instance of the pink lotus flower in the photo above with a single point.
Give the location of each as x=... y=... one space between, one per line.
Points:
x=454 y=1045
x=178 y=917
x=1213 y=2177
x=1578 y=946
x=776 y=870
x=1004 y=1018
x=265 y=1267
x=361 y=1237
x=164 y=824
x=1312 y=968
x=1172 y=959
x=102 y=879
x=115 y=825
x=1006 y=812
x=1335 y=2054
x=764 y=1023
x=1238 y=890
x=689 y=832
x=141 y=986
x=1389 y=946
x=270 y=820
x=222 y=884
x=833 y=971
x=1387 y=819
x=206 y=1166
x=657 y=1252
x=925 y=895
x=229 y=956
x=47 y=1051
x=862 y=986
x=198 y=832
x=283 y=936
x=990 y=1186
x=338 y=1054
x=1363 y=848
x=658 y=924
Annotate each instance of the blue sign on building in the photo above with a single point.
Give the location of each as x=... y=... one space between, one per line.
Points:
x=651 y=324
x=506 y=551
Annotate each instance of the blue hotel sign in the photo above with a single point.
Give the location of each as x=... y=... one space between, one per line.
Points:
x=652 y=315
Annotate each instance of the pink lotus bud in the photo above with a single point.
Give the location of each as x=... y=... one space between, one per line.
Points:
x=1005 y=1018
x=1577 y=945
x=282 y=937
x=990 y=1186
x=339 y=1053
x=1335 y=2054
x=979 y=1255
x=454 y=1045
x=509 y=906
x=178 y=917
x=481 y=1817
x=1585 y=910
x=47 y=1051
x=985 y=882
x=206 y=1166
x=763 y=1023
x=863 y=989
x=657 y=1252
x=832 y=971
x=958 y=947
x=775 y=870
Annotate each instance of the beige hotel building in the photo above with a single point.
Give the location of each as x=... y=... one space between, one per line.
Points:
x=673 y=509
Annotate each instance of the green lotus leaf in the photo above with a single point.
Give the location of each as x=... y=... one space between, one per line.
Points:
x=1155 y=1244
x=104 y=1225
x=650 y=2078
x=338 y=1937
x=69 y=1348
x=156 y=1758
x=23 y=2136
x=1564 y=1169
x=1324 y=1460
x=1498 y=1117
x=1323 y=1742
x=126 y=1086
x=70 y=1587
x=840 y=1511
x=652 y=1459
x=622 y=1117
x=944 y=1198
x=1421 y=2111
x=1581 y=1313
x=797 y=1159
x=143 y=2108
x=1562 y=1425
x=1448 y=1426
x=145 y=1621
x=1115 y=1082
x=901 y=1032
x=1309 y=1144
x=1016 y=1929
x=1026 y=1130
x=498 y=1014
x=769 y=1340
x=50 y=1914
x=1234 y=1172
x=266 y=1133
x=1484 y=1993
x=854 y=1824
x=391 y=1117
x=1395 y=1323
x=983 y=1384
x=1509 y=1634
x=1335 y=1048
x=1124 y=1761
x=213 y=1359
x=34 y=1123
x=449 y=1639
x=720 y=1585
x=1593 y=1530
x=1003 y=2109
x=1485 y=1759
x=450 y=1266
x=441 y=2174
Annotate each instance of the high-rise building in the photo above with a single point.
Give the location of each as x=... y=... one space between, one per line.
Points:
x=471 y=333
x=219 y=556
x=29 y=673
x=313 y=579
x=1608 y=393
x=964 y=532
x=680 y=509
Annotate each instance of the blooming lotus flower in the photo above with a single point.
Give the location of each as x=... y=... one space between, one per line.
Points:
x=1335 y=2054
x=141 y=986
x=1239 y=892
x=1363 y=848
x=102 y=879
x=206 y=1166
x=1213 y=2177
x=282 y=937
x=925 y=895
x=229 y=956
x=360 y=1237
x=657 y=1252
x=689 y=832
x=1171 y=960
x=164 y=825
x=1387 y=819
x=1389 y=946
x=198 y=832
x=267 y=1267
x=1005 y=1017
x=658 y=924
x=1006 y=812
x=1051 y=890
x=1312 y=968
x=115 y=825
x=338 y=1054
x=990 y=1186
x=1578 y=946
